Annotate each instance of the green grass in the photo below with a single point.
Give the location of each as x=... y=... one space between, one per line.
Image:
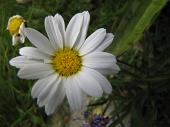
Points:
x=141 y=89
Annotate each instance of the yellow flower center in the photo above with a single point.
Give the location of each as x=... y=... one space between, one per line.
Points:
x=14 y=24
x=67 y=62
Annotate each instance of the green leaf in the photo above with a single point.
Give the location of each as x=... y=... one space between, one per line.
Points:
x=137 y=18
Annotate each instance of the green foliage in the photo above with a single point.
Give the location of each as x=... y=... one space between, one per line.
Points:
x=141 y=90
x=138 y=16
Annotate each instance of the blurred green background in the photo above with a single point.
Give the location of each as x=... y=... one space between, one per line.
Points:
x=142 y=43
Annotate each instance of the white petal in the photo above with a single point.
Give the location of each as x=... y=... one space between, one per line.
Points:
x=39 y=40
x=38 y=87
x=106 y=42
x=74 y=94
x=73 y=30
x=43 y=97
x=101 y=61
x=15 y=40
x=41 y=84
x=104 y=83
x=22 y=61
x=61 y=25
x=82 y=35
x=21 y=28
x=35 y=71
x=22 y=36
x=98 y=60
x=34 y=53
x=18 y=37
x=112 y=70
x=93 y=41
x=88 y=84
x=56 y=98
x=53 y=32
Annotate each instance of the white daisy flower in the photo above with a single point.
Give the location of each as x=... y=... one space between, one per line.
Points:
x=15 y=26
x=67 y=64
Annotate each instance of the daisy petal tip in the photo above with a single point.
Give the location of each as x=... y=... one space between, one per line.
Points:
x=103 y=30
x=99 y=94
x=40 y=104
x=60 y=18
x=86 y=13
x=109 y=91
x=48 y=111
x=111 y=35
x=47 y=18
x=19 y=74
x=56 y=15
x=117 y=68
x=20 y=51
x=33 y=95
x=11 y=62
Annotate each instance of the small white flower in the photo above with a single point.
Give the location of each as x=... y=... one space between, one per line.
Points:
x=15 y=26
x=66 y=64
